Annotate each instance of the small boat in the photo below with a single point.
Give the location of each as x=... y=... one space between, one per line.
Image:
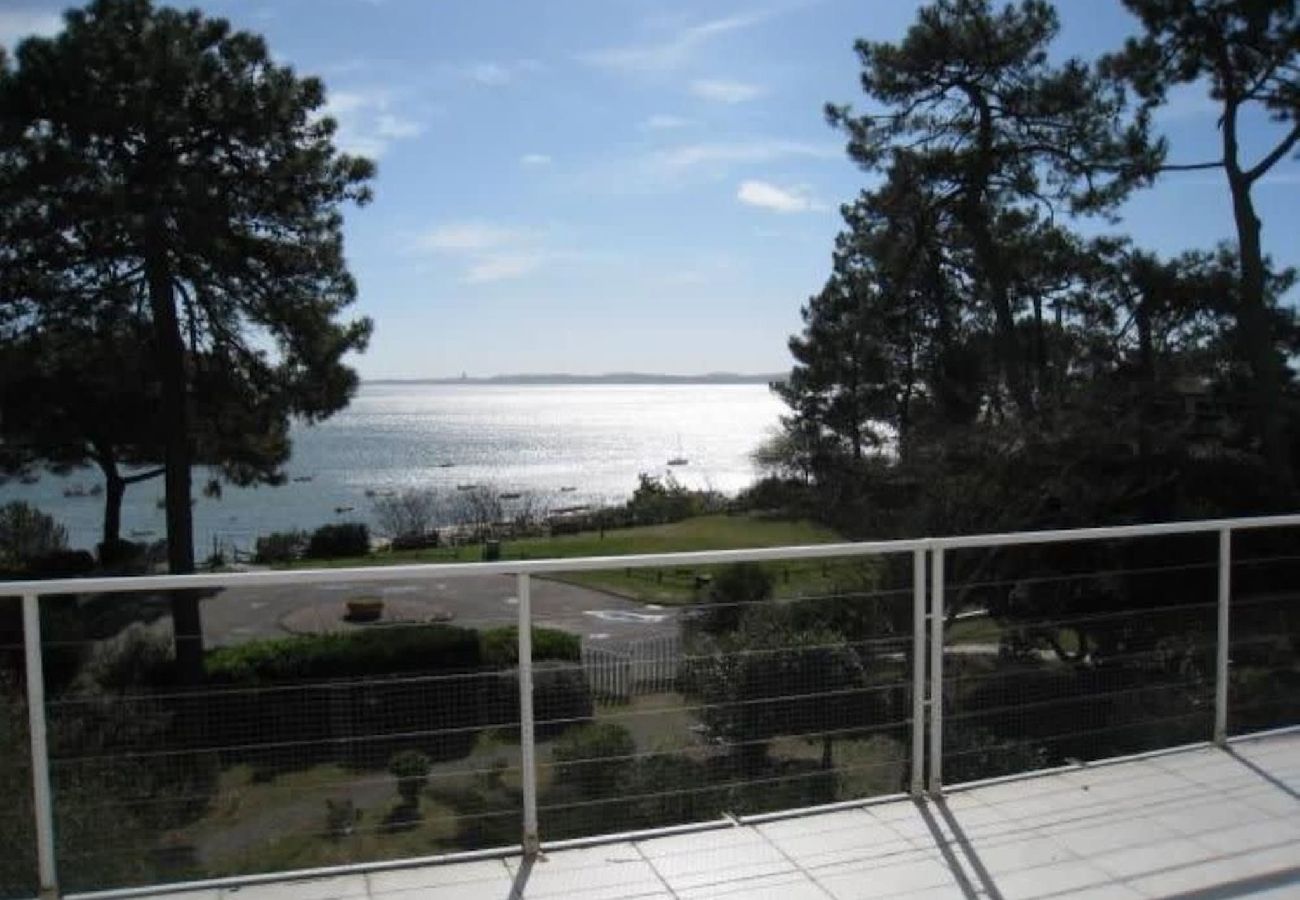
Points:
x=680 y=459
x=510 y=496
x=568 y=489
x=466 y=487
x=75 y=491
x=95 y=490
x=340 y=510
x=446 y=465
x=142 y=532
x=370 y=492
x=302 y=478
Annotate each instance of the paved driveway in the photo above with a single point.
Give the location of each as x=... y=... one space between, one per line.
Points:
x=236 y=615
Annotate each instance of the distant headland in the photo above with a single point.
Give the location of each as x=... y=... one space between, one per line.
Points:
x=606 y=378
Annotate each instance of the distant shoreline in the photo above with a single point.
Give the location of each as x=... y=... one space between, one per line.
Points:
x=608 y=378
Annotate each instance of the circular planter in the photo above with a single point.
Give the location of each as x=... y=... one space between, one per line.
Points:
x=365 y=609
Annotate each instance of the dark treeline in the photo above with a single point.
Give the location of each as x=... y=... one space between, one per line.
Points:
x=974 y=363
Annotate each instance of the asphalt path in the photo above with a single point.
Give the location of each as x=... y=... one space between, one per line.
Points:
x=237 y=615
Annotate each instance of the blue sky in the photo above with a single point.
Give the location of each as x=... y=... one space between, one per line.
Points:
x=597 y=185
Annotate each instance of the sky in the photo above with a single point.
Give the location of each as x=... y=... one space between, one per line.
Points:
x=589 y=186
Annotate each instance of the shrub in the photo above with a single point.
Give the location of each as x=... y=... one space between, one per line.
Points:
x=61 y=564
x=354 y=654
x=280 y=547
x=499 y=647
x=411 y=769
x=341 y=818
x=734 y=591
x=597 y=758
x=382 y=684
x=561 y=697
x=408 y=514
x=26 y=534
x=344 y=539
x=124 y=557
x=136 y=656
x=425 y=541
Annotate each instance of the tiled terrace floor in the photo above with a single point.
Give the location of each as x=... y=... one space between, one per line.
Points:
x=1205 y=823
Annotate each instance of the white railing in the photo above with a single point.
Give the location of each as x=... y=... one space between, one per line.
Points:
x=924 y=687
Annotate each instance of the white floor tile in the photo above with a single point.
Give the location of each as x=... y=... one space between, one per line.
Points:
x=589 y=873
x=902 y=879
x=436 y=876
x=744 y=853
x=335 y=888
x=1016 y=856
x=789 y=886
x=1149 y=858
x=1093 y=840
x=1066 y=880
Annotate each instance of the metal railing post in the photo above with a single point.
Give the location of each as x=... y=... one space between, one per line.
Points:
x=1221 y=638
x=527 y=735
x=42 y=795
x=918 y=672
x=936 y=671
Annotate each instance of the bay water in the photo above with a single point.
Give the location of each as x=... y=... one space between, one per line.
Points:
x=569 y=444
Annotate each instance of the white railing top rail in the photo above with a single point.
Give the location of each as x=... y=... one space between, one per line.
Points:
x=382 y=573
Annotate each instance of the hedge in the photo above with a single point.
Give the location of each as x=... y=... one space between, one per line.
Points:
x=500 y=646
x=354 y=654
x=358 y=697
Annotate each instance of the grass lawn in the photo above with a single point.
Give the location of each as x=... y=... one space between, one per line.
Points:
x=715 y=532
x=675 y=585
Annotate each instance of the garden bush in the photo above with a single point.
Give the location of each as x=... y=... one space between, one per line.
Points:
x=411 y=769
x=344 y=539
x=280 y=547
x=27 y=534
x=432 y=649
x=598 y=758
x=500 y=646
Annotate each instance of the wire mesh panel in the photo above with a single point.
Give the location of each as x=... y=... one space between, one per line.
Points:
x=359 y=733
x=1076 y=651
x=1264 y=631
x=17 y=827
x=759 y=687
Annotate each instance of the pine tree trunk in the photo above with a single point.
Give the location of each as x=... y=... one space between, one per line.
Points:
x=114 y=491
x=186 y=620
x=1256 y=337
x=1252 y=316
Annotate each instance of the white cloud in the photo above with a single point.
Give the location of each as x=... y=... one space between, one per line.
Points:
x=502 y=267
x=722 y=154
x=469 y=237
x=487 y=252
x=498 y=74
x=367 y=126
x=16 y=24
x=662 y=122
x=672 y=52
x=678 y=166
x=491 y=74
x=766 y=195
x=388 y=125
x=534 y=159
x=722 y=91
